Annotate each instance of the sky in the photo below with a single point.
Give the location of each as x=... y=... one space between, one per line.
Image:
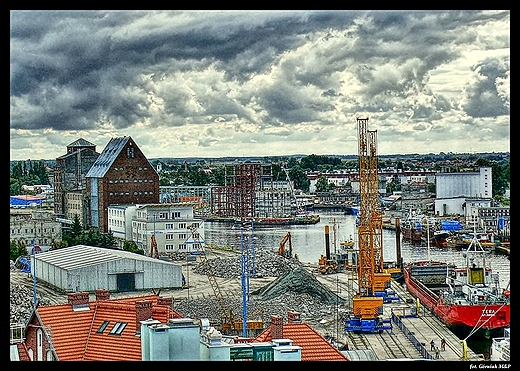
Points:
x=259 y=83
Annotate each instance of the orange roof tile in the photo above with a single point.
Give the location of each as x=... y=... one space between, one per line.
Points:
x=314 y=346
x=74 y=333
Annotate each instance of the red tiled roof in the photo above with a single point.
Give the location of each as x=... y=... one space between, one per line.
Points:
x=74 y=333
x=314 y=346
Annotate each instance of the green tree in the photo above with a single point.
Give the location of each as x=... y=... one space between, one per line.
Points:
x=131 y=246
x=392 y=186
x=15 y=187
x=17 y=249
x=55 y=245
x=322 y=185
x=300 y=179
x=73 y=235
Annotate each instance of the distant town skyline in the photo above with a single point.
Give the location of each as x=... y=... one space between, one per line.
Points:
x=261 y=83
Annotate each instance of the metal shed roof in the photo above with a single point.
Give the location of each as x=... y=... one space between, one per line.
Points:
x=107 y=157
x=80 y=256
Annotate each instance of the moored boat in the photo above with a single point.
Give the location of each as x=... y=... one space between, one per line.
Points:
x=439 y=238
x=411 y=231
x=347 y=244
x=467 y=298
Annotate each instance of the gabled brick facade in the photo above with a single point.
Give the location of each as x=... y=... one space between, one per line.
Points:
x=120 y=175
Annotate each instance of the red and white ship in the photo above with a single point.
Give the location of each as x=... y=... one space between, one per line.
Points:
x=467 y=297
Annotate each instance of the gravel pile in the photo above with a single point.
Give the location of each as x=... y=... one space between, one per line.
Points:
x=312 y=310
x=21 y=300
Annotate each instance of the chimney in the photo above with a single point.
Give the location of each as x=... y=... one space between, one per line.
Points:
x=143 y=311
x=294 y=317
x=78 y=298
x=102 y=295
x=165 y=301
x=276 y=327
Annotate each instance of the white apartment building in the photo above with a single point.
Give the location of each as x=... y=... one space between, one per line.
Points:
x=168 y=222
x=120 y=222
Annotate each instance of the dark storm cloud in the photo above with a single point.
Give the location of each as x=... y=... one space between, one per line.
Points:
x=56 y=53
x=484 y=98
x=263 y=72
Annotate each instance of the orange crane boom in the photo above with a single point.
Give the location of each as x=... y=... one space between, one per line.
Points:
x=281 y=250
x=154 y=252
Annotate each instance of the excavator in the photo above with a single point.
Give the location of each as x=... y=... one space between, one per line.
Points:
x=281 y=250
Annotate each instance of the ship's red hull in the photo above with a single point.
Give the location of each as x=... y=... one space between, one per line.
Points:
x=412 y=234
x=490 y=316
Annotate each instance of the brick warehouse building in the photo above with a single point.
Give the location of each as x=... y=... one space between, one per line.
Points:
x=70 y=191
x=120 y=175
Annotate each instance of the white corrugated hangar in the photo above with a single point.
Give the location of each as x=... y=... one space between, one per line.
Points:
x=88 y=268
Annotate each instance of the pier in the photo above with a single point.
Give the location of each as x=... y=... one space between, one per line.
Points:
x=412 y=330
x=421 y=326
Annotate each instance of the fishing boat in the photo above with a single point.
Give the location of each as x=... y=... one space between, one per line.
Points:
x=439 y=238
x=443 y=231
x=468 y=298
x=411 y=227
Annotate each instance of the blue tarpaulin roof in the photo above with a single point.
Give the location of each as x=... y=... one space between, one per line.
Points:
x=451 y=225
x=22 y=201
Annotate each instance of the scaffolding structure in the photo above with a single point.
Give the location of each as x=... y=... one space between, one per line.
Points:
x=248 y=193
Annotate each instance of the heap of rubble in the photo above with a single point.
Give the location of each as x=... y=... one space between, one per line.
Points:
x=22 y=301
x=264 y=264
x=294 y=289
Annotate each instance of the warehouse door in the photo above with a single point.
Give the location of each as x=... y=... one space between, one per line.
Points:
x=126 y=282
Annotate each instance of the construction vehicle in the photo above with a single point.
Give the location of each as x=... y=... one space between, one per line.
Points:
x=373 y=282
x=282 y=250
x=327 y=265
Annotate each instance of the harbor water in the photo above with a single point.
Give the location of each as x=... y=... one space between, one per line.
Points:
x=308 y=242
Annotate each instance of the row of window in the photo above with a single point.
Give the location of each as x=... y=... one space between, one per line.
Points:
x=127 y=181
x=164 y=215
x=171 y=236
x=36 y=241
x=139 y=168
x=182 y=247
x=128 y=193
x=168 y=226
x=31 y=231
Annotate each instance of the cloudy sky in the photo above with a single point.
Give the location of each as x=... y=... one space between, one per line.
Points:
x=262 y=83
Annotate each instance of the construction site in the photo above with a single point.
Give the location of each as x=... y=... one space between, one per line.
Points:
x=350 y=300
